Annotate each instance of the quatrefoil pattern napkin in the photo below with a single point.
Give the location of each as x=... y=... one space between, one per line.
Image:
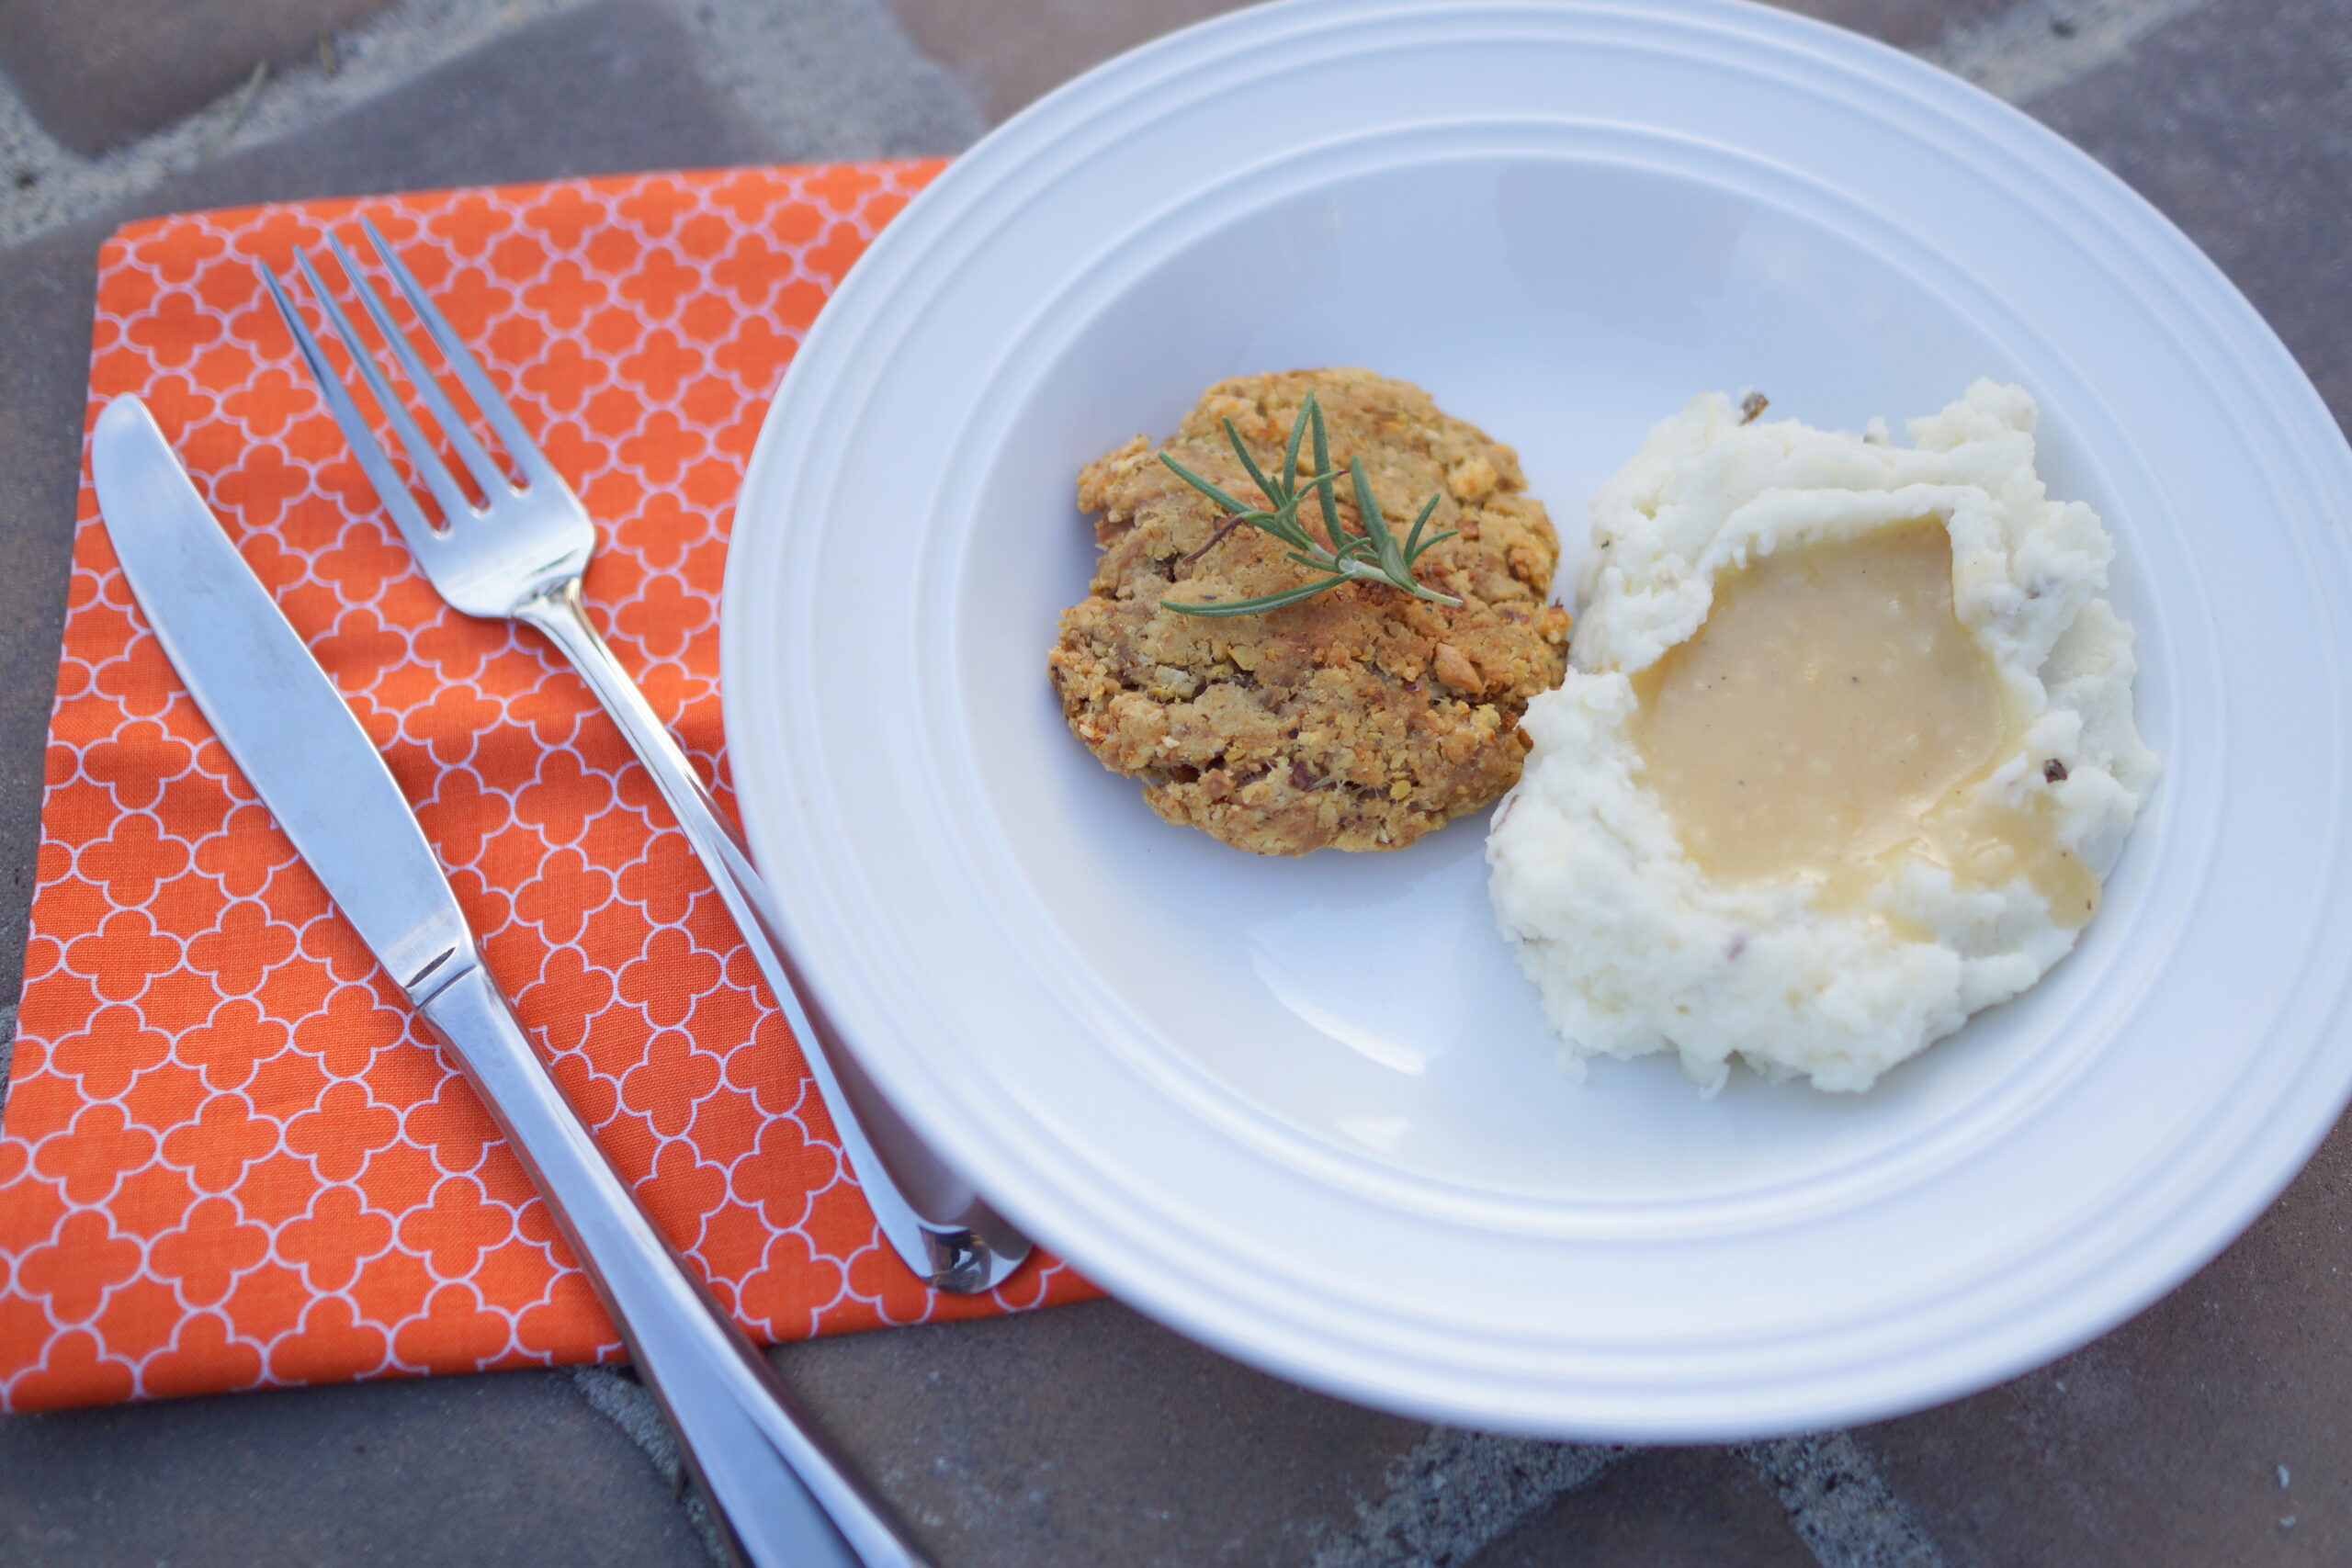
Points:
x=230 y=1156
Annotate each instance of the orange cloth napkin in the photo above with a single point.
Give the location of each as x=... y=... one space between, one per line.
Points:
x=232 y=1156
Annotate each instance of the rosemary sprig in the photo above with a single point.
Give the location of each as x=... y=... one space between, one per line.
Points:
x=1373 y=556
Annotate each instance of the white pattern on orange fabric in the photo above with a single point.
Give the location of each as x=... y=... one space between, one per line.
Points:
x=232 y=1157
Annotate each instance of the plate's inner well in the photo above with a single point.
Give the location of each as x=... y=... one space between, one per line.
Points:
x=1563 y=304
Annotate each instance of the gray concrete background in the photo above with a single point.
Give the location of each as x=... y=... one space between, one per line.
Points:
x=2209 y=1431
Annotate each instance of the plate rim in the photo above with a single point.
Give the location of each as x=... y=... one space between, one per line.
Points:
x=1301 y=17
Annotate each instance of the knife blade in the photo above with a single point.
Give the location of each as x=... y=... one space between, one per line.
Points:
x=280 y=717
x=785 y=1495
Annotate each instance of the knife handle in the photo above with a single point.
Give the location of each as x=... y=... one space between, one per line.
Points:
x=786 y=1497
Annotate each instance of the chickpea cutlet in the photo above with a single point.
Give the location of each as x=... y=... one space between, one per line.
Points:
x=1319 y=613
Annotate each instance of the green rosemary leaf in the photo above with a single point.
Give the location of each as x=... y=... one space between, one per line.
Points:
x=1371 y=556
x=1431 y=543
x=1284 y=524
x=1413 y=545
x=1290 y=454
x=1205 y=488
x=1274 y=498
x=1250 y=606
x=1375 y=526
x=1313 y=412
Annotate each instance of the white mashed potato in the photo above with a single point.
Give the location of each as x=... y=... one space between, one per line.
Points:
x=1644 y=932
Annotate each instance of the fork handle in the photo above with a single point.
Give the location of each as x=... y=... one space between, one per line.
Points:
x=934 y=1218
x=786 y=1499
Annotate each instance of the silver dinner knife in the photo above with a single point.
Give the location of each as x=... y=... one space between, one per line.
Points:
x=785 y=1495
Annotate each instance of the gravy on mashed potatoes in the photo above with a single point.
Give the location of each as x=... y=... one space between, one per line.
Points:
x=1844 y=748
x=1825 y=712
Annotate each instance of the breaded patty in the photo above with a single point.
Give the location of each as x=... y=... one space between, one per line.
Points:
x=1361 y=718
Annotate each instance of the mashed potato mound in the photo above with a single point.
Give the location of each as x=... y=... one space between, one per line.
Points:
x=1635 y=947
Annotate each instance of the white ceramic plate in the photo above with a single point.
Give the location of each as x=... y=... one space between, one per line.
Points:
x=1306 y=1111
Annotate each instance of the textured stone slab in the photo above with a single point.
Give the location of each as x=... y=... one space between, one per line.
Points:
x=2236 y=120
x=1906 y=24
x=46 y=297
x=510 y=1469
x=1010 y=52
x=1087 y=1435
x=607 y=89
x=1659 y=1508
x=1013 y=51
x=97 y=75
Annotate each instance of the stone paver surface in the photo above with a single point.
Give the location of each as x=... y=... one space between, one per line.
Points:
x=508 y=1469
x=2236 y=120
x=1013 y=51
x=1661 y=1508
x=610 y=87
x=1089 y=1436
x=1906 y=24
x=98 y=75
x=46 y=292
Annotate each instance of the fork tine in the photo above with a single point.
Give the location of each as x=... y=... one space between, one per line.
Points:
x=470 y=375
x=373 y=460
x=486 y=471
x=420 y=454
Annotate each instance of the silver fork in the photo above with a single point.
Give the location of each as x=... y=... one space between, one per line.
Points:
x=519 y=555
